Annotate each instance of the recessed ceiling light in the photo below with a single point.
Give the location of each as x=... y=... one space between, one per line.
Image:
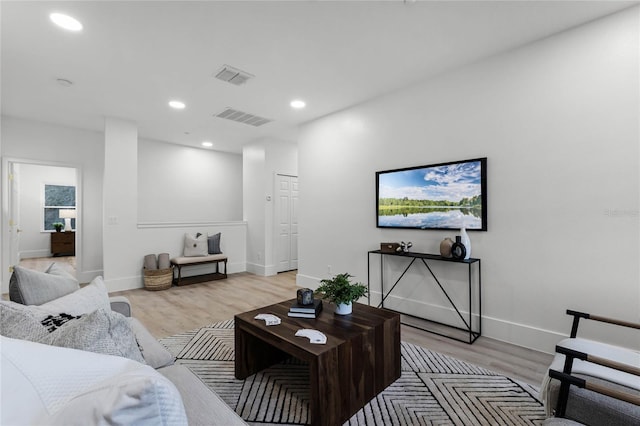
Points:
x=65 y=21
x=177 y=104
x=298 y=104
x=207 y=144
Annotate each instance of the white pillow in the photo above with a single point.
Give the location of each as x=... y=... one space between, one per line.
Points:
x=195 y=245
x=89 y=298
x=44 y=384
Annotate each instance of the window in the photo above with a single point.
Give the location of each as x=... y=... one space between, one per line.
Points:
x=56 y=198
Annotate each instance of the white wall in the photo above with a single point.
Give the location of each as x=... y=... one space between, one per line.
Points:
x=178 y=183
x=254 y=202
x=120 y=204
x=262 y=160
x=34 y=242
x=33 y=142
x=558 y=121
x=128 y=238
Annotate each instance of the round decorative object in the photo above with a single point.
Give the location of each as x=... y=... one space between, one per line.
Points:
x=458 y=251
x=445 y=247
x=305 y=296
x=344 y=308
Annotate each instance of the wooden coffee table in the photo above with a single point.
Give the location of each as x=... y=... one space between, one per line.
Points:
x=360 y=359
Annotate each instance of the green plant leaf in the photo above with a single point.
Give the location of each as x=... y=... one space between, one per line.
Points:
x=339 y=289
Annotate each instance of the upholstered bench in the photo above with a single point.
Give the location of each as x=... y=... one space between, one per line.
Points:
x=182 y=261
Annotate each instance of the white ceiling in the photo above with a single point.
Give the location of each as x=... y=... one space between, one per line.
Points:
x=131 y=58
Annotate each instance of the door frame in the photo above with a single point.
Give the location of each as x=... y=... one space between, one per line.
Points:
x=7 y=229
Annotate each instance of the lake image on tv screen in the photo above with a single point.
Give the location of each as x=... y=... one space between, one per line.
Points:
x=446 y=196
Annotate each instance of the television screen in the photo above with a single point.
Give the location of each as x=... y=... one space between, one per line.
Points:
x=437 y=196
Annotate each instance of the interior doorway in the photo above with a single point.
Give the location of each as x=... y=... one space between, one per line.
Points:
x=41 y=194
x=287 y=220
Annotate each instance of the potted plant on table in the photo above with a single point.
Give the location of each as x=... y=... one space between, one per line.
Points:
x=342 y=292
x=58 y=226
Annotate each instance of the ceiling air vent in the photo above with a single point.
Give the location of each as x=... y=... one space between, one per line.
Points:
x=233 y=75
x=243 y=117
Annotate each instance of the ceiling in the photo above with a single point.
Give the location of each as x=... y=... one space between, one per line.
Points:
x=132 y=58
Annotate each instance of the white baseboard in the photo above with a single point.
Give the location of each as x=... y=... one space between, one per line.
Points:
x=236 y=267
x=30 y=254
x=124 y=283
x=506 y=331
x=256 y=268
x=262 y=270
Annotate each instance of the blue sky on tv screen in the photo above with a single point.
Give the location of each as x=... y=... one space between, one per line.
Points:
x=451 y=182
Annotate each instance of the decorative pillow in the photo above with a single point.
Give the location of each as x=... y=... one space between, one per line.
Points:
x=22 y=322
x=56 y=269
x=102 y=332
x=214 y=243
x=105 y=332
x=195 y=245
x=89 y=298
x=60 y=386
x=31 y=287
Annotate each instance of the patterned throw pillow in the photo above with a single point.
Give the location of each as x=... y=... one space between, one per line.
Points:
x=101 y=331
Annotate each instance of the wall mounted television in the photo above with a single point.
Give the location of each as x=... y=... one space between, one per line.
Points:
x=437 y=196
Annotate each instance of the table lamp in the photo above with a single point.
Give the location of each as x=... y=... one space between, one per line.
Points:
x=67 y=215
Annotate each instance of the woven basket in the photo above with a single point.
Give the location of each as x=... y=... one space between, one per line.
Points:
x=158 y=279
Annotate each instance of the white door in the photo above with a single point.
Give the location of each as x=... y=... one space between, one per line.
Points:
x=14 y=214
x=287 y=216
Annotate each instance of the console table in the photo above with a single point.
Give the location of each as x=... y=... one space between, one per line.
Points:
x=473 y=330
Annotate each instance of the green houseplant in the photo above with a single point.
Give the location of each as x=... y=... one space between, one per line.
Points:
x=342 y=292
x=58 y=226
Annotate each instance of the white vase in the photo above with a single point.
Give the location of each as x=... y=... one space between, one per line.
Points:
x=344 y=308
x=464 y=239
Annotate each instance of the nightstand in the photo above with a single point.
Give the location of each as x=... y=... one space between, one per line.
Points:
x=63 y=243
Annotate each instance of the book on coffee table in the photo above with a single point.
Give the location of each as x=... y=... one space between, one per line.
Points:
x=315 y=308
x=302 y=315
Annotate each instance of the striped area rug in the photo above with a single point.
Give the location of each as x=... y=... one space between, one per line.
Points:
x=434 y=389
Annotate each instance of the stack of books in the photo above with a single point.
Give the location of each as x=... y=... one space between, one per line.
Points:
x=306 y=311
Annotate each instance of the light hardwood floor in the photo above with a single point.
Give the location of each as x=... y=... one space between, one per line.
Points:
x=180 y=309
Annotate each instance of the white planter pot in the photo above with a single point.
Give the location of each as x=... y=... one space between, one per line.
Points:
x=344 y=308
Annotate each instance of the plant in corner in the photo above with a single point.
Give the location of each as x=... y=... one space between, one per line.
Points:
x=342 y=292
x=58 y=226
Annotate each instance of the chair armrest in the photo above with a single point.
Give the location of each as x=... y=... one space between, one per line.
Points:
x=577 y=315
x=567 y=379
x=121 y=305
x=594 y=387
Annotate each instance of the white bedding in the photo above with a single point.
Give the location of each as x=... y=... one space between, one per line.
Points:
x=43 y=384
